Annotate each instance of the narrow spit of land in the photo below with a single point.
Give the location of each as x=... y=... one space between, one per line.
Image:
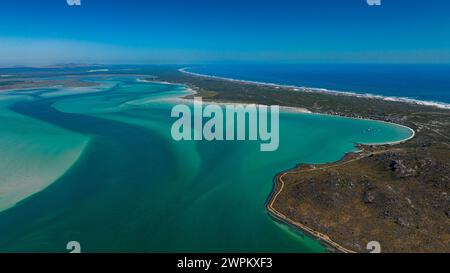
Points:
x=398 y=195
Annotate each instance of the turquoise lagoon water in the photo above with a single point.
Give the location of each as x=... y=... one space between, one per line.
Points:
x=106 y=172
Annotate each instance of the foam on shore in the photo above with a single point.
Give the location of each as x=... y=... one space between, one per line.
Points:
x=441 y=105
x=98 y=70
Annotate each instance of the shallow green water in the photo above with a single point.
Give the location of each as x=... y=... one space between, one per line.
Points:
x=134 y=189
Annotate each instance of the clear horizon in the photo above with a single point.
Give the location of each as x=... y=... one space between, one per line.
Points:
x=46 y=32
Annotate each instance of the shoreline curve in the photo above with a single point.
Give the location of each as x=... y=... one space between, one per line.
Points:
x=279 y=183
x=436 y=104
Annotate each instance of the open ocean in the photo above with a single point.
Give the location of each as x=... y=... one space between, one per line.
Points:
x=418 y=82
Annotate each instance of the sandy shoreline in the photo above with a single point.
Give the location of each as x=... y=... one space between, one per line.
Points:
x=322 y=238
x=278 y=189
x=279 y=183
x=287 y=109
x=441 y=105
x=303 y=110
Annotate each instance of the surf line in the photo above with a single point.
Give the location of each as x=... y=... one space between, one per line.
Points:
x=232 y=122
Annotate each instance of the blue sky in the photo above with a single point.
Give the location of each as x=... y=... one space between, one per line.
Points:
x=38 y=32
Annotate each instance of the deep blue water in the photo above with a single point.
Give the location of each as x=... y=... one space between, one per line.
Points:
x=421 y=82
